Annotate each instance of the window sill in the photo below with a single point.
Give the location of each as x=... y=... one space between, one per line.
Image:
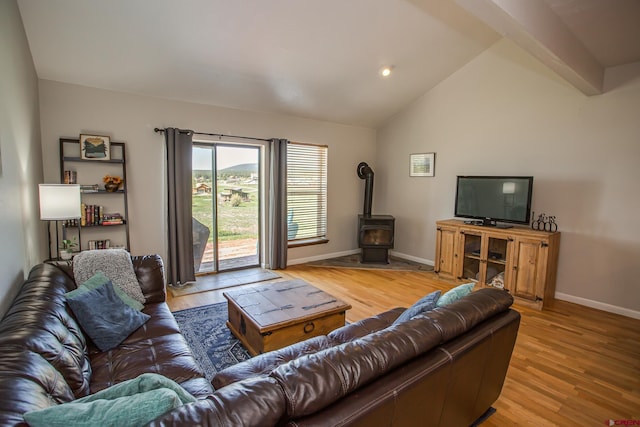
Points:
x=307 y=242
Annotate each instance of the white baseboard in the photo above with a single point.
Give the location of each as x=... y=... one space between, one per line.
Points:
x=599 y=305
x=355 y=251
x=321 y=257
x=412 y=258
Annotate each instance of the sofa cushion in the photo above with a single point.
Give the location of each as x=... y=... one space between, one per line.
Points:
x=104 y=317
x=314 y=381
x=39 y=320
x=455 y=294
x=254 y=402
x=100 y=279
x=158 y=347
x=28 y=382
x=114 y=263
x=364 y=327
x=426 y=303
x=130 y=403
x=263 y=364
x=464 y=314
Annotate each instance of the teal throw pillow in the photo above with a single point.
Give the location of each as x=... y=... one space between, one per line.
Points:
x=104 y=317
x=100 y=279
x=455 y=294
x=426 y=303
x=131 y=403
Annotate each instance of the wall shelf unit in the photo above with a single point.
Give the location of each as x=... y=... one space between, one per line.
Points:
x=105 y=214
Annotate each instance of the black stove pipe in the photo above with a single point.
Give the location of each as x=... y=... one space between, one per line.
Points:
x=366 y=173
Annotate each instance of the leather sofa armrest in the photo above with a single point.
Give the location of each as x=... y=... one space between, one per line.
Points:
x=150 y=272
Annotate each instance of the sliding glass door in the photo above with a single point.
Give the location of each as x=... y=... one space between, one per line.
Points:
x=226 y=207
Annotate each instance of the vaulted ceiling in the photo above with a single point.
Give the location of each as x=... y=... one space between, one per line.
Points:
x=315 y=59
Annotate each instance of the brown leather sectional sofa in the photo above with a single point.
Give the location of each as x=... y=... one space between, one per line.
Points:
x=444 y=368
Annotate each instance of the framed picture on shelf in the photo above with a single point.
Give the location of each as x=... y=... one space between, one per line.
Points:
x=95 y=147
x=423 y=164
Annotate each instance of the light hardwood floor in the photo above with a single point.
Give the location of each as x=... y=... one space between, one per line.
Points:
x=571 y=366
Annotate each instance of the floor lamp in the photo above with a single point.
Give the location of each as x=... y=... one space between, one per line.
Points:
x=58 y=202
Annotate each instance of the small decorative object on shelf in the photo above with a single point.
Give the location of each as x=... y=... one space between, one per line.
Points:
x=95 y=147
x=544 y=223
x=66 y=248
x=112 y=183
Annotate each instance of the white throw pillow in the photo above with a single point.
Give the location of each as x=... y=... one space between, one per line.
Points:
x=114 y=263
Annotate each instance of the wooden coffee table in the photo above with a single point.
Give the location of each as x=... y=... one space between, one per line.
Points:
x=275 y=315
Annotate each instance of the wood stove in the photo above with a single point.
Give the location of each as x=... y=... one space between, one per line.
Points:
x=375 y=238
x=375 y=232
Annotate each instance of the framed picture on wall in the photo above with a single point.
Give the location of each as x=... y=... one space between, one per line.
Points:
x=423 y=164
x=95 y=147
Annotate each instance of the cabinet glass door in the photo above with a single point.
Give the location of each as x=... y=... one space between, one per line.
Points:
x=471 y=264
x=497 y=250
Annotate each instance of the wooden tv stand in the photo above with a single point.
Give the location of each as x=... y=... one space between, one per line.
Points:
x=526 y=260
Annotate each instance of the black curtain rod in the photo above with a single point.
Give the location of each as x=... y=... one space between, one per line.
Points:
x=219 y=135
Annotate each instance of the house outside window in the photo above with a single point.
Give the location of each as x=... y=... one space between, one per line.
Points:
x=306 y=194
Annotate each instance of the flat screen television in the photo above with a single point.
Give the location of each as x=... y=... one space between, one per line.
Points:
x=493 y=199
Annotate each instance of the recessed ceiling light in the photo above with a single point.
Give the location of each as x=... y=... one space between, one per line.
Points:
x=386 y=71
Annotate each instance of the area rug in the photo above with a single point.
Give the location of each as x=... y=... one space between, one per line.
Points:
x=211 y=342
x=213 y=282
x=353 y=261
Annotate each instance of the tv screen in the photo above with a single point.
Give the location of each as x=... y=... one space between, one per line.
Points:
x=494 y=198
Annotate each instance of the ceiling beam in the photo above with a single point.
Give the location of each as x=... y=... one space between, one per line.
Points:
x=537 y=29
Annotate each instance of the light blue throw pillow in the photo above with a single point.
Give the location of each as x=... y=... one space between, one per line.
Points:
x=100 y=279
x=426 y=303
x=131 y=403
x=104 y=317
x=455 y=294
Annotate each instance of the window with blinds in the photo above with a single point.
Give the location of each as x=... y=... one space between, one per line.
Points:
x=306 y=193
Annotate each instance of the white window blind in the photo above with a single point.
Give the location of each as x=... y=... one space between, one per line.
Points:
x=306 y=191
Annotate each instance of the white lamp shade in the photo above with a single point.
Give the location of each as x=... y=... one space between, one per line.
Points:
x=508 y=187
x=59 y=201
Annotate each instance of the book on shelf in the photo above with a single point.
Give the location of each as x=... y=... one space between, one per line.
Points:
x=113 y=222
x=99 y=244
x=112 y=219
x=70 y=177
x=69 y=223
x=91 y=188
x=91 y=215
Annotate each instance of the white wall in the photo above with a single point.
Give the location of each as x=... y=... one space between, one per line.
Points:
x=67 y=110
x=505 y=113
x=21 y=157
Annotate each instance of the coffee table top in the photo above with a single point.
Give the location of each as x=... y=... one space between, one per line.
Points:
x=275 y=305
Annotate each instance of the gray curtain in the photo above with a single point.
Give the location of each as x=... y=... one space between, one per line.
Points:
x=278 y=239
x=180 y=269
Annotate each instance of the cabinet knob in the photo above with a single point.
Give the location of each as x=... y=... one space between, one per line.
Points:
x=510 y=239
x=439 y=229
x=544 y=244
